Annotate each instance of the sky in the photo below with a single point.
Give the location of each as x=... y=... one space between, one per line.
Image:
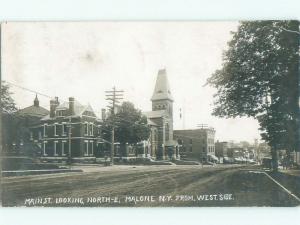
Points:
x=85 y=59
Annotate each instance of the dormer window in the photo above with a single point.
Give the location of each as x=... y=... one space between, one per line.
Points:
x=60 y=113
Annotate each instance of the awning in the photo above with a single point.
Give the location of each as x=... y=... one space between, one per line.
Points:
x=213 y=157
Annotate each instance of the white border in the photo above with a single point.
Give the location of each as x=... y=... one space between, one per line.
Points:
x=31 y=10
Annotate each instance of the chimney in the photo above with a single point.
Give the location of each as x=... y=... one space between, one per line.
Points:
x=71 y=106
x=52 y=108
x=53 y=104
x=103 y=114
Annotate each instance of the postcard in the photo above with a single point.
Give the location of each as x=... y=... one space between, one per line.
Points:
x=150 y=114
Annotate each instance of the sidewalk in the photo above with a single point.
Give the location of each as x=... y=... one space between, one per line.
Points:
x=290 y=179
x=292 y=172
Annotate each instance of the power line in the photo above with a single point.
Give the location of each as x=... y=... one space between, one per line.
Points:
x=30 y=90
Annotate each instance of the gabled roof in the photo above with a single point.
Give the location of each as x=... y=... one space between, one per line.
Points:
x=162 y=89
x=36 y=111
x=79 y=109
x=88 y=108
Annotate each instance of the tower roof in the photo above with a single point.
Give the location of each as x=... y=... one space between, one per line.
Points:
x=36 y=101
x=162 y=88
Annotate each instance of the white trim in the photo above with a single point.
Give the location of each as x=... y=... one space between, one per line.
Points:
x=66 y=138
x=55 y=146
x=63 y=131
x=45 y=130
x=86 y=148
x=44 y=148
x=63 y=142
x=92 y=129
x=86 y=129
x=92 y=150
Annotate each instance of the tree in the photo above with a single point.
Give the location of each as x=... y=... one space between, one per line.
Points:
x=130 y=126
x=8 y=119
x=7 y=103
x=259 y=78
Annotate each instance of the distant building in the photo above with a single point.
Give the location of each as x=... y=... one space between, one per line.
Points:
x=235 y=152
x=197 y=144
x=32 y=114
x=68 y=130
x=17 y=132
x=221 y=149
x=160 y=120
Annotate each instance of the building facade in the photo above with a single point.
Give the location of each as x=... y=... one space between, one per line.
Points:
x=160 y=120
x=196 y=144
x=16 y=129
x=221 y=149
x=70 y=130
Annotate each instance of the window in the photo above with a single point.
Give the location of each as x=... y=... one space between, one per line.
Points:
x=64 y=129
x=44 y=148
x=180 y=141
x=86 y=129
x=31 y=135
x=91 y=129
x=60 y=113
x=55 y=129
x=63 y=147
x=45 y=130
x=40 y=135
x=92 y=147
x=55 y=148
x=86 y=148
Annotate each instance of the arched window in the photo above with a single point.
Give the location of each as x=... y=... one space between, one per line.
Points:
x=167 y=131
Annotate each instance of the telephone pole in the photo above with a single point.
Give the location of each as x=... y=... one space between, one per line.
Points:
x=113 y=97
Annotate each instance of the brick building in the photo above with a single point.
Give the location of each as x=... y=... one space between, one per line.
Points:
x=69 y=130
x=221 y=149
x=196 y=144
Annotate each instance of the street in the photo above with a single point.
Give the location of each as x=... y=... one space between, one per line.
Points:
x=222 y=185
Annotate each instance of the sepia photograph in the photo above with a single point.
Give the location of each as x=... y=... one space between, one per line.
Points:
x=150 y=114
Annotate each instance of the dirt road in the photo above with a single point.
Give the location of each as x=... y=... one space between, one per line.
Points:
x=147 y=186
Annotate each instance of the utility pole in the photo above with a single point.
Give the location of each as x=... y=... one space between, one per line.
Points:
x=113 y=97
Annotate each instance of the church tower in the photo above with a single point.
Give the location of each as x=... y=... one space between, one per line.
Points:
x=162 y=104
x=162 y=98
